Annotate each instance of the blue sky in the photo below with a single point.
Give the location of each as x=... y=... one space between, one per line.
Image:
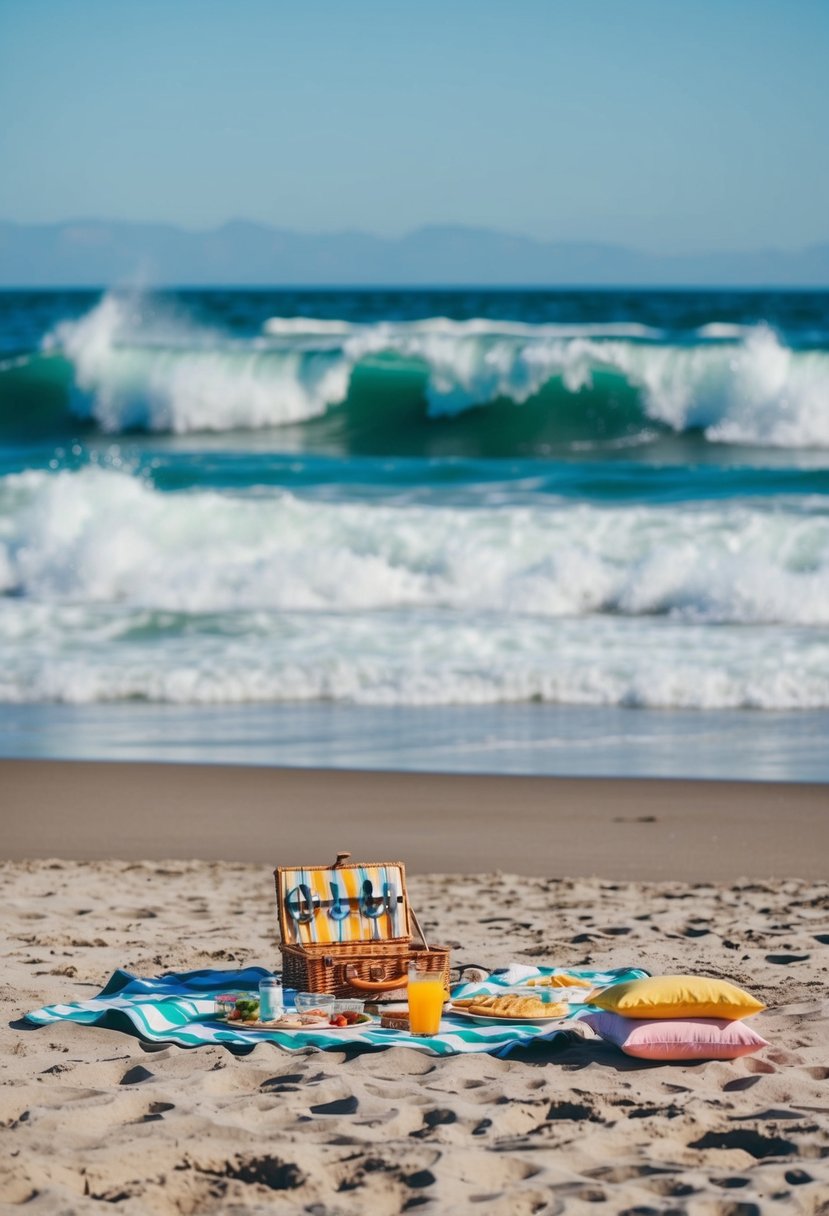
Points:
x=655 y=123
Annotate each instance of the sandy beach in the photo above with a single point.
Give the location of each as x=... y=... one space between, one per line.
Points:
x=93 y=1116
x=414 y=469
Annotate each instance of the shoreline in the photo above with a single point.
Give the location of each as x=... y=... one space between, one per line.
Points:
x=620 y=828
x=518 y=739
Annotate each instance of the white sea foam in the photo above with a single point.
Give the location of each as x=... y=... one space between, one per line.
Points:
x=103 y=536
x=472 y=327
x=117 y=590
x=725 y=330
x=307 y=326
x=100 y=654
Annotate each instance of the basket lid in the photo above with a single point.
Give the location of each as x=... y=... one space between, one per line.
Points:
x=343 y=902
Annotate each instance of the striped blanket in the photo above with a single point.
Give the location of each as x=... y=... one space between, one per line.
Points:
x=177 y=1008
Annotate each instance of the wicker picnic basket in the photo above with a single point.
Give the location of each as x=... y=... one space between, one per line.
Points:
x=346 y=929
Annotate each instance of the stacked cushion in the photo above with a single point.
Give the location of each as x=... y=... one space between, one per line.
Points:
x=676 y=1038
x=677 y=996
x=676 y=1017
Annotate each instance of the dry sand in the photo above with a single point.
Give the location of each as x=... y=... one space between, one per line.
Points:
x=94 y=1118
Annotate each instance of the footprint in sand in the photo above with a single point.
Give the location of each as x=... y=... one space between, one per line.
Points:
x=750 y=1141
x=785 y=959
x=283 y=1078
x=739 y=1084
x=618 y=1174
x=797 y=1177
x=268 y=1172
x=786 y=1058
x=433 y=1119
x=340 y=1106
x=758 y=1066
x=419 y=1180
x=670 y=1187
x=577 y=1111
x=136 y=1075
x=157 y=1111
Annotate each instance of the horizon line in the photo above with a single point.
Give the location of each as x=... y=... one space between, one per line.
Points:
x=610 y=288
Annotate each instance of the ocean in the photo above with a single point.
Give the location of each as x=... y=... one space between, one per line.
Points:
x=572 y=532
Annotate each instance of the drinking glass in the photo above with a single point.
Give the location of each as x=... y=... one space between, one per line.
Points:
x=426 y=995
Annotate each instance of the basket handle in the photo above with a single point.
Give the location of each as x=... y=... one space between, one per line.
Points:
x=398 y=981
x=417 y=926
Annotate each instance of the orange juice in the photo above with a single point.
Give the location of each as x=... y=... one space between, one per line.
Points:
x=426 y=995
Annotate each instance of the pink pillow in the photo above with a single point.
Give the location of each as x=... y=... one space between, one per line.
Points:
x=676 y=1038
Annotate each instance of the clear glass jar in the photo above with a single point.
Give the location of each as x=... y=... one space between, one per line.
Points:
x=271 y=1002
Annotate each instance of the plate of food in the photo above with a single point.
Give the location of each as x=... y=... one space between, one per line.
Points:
x=307 y=1021
x=509 y=1008
x=346 y=1020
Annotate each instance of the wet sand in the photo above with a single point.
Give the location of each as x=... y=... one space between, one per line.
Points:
x=632 y=829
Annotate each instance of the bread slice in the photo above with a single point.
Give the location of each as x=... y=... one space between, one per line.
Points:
x=528 y=1008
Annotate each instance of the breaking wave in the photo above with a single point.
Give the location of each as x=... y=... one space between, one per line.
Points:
x=393 y=383
x=107 y=537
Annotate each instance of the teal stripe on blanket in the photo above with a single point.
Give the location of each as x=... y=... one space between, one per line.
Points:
x=176 y=1009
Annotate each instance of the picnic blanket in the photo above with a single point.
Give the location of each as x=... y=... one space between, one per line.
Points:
x=177 y=1008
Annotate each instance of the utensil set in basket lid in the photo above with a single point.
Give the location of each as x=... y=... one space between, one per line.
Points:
x=346 y=929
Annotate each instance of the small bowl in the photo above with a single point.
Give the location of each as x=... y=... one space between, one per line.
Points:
x=349 y=1007
x=237 y=1007
x=309 y=1002
x=226 y=1004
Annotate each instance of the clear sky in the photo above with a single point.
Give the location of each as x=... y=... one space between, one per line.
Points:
x=664 y=124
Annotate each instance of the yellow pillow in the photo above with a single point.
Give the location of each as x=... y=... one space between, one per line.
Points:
x=677 y=996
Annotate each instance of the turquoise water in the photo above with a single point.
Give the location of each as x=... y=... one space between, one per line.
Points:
x=498 y=523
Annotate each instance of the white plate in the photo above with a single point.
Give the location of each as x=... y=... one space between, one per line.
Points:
x=304 y=1027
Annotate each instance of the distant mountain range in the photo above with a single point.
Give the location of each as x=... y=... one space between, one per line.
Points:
x=100 y=253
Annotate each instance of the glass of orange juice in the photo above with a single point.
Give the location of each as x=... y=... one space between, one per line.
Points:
x=426 y=995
